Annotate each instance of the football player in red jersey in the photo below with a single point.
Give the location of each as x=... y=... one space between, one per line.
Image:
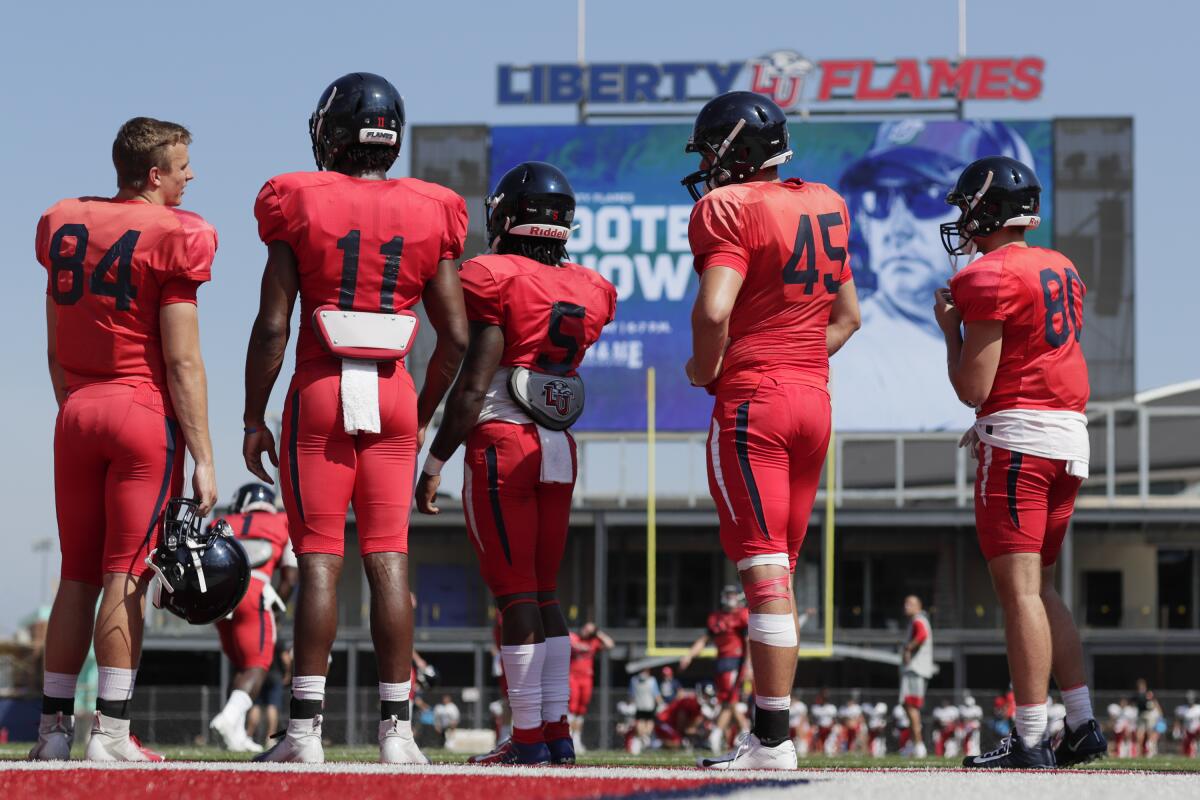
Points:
x=776 y=299
x=359 y=249
x=585 y=644
x=533 y=316
x=125 y=363
x=248 y=635
x=1020 y=364
x=726 y=629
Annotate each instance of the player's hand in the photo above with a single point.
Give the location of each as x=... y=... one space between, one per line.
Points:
x=204 y=487
x=253 y=447
x=906 y=657
x=945 y=312
x=426 y=493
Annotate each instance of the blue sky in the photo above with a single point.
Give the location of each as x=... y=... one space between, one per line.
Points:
x=245 y=76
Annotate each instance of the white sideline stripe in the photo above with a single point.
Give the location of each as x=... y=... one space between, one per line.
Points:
x=351 y=768
x=714 y=448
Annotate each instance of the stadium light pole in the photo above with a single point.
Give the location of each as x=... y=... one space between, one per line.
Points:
x=580 y=51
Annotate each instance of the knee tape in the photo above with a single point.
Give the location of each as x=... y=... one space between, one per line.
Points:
x=767 y=590
x=773 y=630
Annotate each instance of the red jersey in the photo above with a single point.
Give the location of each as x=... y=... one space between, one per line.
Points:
x=728 y=630
x=1037 y=294
x=789 y=241
x=583 y=655
x=362 y=245
x=681 y=712
x=550 y=315
x=266 y=526
x=112 y=264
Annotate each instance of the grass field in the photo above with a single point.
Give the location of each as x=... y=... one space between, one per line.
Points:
x=620 y=758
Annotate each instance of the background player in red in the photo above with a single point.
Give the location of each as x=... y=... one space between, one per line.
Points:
x=124 y=353
x=916 y=668
x=585 y=644
x=726 y=629
x=776 y=299
x=1021 y=365
x=248 y=635
x=349 y=238
x=533 y=316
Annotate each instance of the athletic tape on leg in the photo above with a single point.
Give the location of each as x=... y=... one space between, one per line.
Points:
x=766 y=590
x=773 y=630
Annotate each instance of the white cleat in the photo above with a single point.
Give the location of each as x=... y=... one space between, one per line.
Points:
x=301 y=745
x=919 y=751
x=396 y=743
x=112 y=741
x=232 y=735
x=56 y=732
x=716 y=740
x=750 y=753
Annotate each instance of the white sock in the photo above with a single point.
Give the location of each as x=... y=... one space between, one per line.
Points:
x=523 y=670
x=115 y=683
x=308 y=687
x=1079 y=706
x=1031 y=724
x=59 y=685
x=237 y=705
x=395 y=692
x=556 y=685
x=773 y=703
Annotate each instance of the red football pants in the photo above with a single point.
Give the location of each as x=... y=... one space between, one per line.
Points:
x=117 y=458
x=581 y=694
x=1023 y=503
x=323 y=469
x=516 y=523
x=249 y=638
x=766 y=447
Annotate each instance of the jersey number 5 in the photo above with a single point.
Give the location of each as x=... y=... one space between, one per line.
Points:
x=806 y=248
x=121 y=289
x=560 y=313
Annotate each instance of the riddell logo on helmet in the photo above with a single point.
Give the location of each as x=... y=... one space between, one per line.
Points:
x=547 y=231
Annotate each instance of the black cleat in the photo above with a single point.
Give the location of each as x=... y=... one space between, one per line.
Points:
x=1082 y=745
x=1013 y=754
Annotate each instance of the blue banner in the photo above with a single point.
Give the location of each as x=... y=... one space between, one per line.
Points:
x=633 y=218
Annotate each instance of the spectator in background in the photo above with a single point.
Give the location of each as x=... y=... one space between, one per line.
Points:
x=668 y=685
x=446 y=717
x=1149 y=715
x=268 y=705
x=646 y=697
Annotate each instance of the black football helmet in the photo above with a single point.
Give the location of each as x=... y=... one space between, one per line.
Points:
x=359 y=108
x=992 y=193
x=532 y=199
x=253 y=497
x=202 y=574
x=738 y=134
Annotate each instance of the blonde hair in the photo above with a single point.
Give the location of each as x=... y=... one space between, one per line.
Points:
x=141 y=144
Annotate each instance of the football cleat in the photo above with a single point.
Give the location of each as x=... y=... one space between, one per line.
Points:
x=1013 y=754
x=233 y=735
x=562 y=751
x=396 y=743
x=750 y=753
x=1081 y=746
x=510 y=752
x=112 y=741
x=301 y=744
x=56 y=733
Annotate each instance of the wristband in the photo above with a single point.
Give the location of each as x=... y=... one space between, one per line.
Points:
x=433 y=465
x=248 y=430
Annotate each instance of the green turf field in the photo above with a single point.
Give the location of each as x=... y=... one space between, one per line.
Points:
x=657 y=759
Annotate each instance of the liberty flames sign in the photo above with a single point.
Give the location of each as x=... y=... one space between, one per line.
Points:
x=789 y=78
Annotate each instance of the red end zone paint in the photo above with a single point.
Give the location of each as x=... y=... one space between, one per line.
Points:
x=227 y=785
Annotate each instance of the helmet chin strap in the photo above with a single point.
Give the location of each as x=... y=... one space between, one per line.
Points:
x=321 y=117
x=712 y=181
